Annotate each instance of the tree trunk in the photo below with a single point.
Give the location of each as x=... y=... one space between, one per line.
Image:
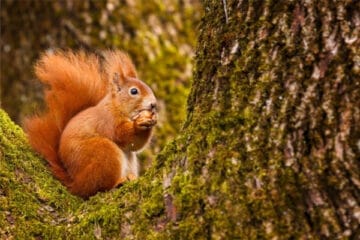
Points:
x=271 y=145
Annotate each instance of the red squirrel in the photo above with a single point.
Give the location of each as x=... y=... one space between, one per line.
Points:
x=99 y=114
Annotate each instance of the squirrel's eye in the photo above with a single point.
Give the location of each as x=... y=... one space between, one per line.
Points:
x=134 y=91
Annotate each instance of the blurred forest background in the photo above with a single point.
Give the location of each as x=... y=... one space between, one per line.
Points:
x=159 y=35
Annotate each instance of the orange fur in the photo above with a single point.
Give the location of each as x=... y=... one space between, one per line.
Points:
x=93 y=124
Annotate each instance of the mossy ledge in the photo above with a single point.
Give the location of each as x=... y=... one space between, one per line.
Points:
x=35 y=205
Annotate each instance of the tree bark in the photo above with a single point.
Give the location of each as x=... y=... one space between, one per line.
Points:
x=274 y=119
x=273 y=122
x=271 y=145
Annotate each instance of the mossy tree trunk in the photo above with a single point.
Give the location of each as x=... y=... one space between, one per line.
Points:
x=270 y=147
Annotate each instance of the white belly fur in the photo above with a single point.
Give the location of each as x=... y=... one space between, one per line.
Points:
x=129 y=165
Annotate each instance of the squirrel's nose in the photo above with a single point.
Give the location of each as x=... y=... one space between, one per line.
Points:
x=153 y=106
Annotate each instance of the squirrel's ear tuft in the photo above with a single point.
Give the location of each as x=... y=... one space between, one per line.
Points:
x=117 y=61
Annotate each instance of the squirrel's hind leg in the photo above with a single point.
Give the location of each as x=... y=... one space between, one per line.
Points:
x=101 y=167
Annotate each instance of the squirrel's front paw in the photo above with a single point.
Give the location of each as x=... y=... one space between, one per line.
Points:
x=121 y=181
x=145 y=120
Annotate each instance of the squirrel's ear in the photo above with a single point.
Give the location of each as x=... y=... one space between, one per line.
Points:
x=115 y=84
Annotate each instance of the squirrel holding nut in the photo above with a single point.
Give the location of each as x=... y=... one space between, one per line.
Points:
x=99 y=114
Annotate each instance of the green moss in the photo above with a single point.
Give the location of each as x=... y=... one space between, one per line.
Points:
x=28 y=204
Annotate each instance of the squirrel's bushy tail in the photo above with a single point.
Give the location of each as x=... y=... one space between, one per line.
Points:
x=74 y=83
